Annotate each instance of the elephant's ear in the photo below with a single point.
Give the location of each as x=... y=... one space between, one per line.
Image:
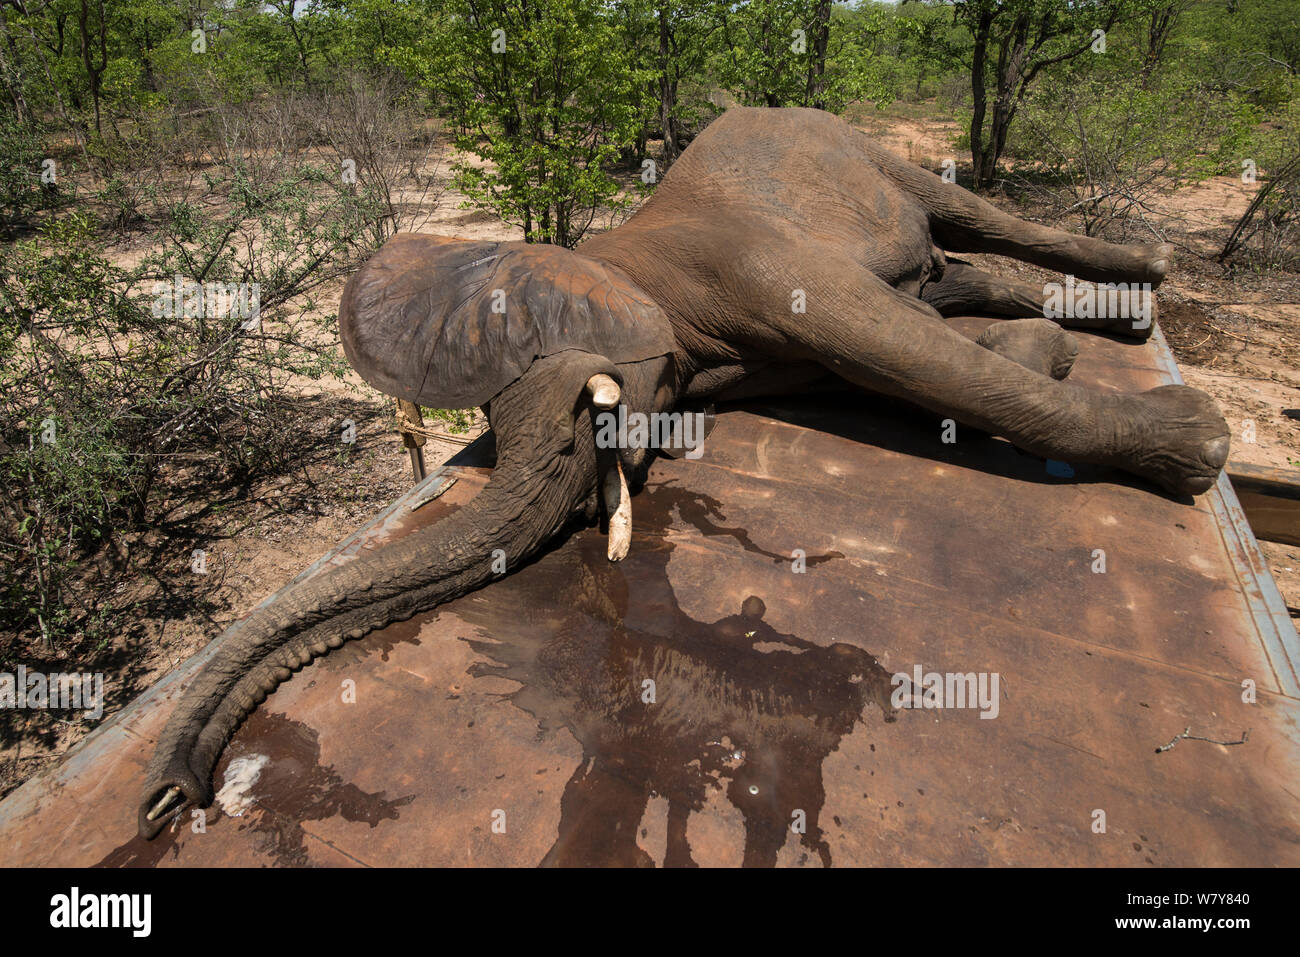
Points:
x=450 y=323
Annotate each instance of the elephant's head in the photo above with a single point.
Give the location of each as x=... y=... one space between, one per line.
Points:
x=544 y=339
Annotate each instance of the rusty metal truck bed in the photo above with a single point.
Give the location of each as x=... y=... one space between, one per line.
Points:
x=726 y=695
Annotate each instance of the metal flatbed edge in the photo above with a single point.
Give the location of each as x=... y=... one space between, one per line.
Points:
x=1267 y=607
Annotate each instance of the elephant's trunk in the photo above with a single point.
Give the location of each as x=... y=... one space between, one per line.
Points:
x=533 y=492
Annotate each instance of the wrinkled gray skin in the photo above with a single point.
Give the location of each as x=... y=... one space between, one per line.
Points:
x=692 y=298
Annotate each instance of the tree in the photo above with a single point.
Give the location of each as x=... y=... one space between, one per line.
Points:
x=685 y=32
x=767 y=61
x=94 y=49
x=544 y=92
x=1161 y=23
x=1014 y=40
x=820 y=36
x=799 y=53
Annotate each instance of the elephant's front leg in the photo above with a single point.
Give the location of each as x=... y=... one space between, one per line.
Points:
x=864 y=331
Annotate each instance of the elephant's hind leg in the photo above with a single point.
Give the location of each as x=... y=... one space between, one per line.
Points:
x=963 y=289
x=962 y=222
x=867 y=332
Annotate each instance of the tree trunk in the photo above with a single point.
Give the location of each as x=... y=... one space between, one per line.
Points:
x=667 y=90
x=816 y=92
x=979 y=100
x=94 y=72
x=13 y=74
x=1159 y=29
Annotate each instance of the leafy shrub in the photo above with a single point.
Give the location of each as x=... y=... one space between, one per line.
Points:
x=76 y=364
x=546 y=103
x=1267 y=235
x=111 y=377
x=22 y=193
x=456 y=421
x=1096 y=148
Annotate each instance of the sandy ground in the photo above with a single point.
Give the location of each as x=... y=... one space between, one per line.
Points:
x=1236 y=338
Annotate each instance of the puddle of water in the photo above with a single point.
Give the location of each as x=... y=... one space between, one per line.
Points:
x=737 y=707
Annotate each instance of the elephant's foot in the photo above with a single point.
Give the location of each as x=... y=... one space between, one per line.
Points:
x=1100 y=261
x=1037 y=344
x=1177 y=437
x=1156 y=259
x=1126 y=309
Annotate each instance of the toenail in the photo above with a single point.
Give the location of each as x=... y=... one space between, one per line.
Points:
x=1216 y=451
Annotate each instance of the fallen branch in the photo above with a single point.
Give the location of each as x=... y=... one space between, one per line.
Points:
x=1187 y=733
x=1230 y=335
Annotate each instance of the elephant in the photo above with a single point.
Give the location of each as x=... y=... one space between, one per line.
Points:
x=785 y=251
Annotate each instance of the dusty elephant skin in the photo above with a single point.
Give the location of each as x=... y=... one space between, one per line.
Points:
x=784 y=251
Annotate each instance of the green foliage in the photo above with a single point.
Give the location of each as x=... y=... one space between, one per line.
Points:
x=1097 y=147
x=111 y=376
x=805 y=53
x=457 y=421
x=1096 y=137
x=1012 y=42
x=1267 y=236
x=544 y=94
x=74 y=364
x=765 y=61
x=671 y=43
x=22 y=159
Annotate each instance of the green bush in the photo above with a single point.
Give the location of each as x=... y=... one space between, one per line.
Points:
x=1267 y=235
x=22 y=161
x=1096 y=147
x=545 y=93
x=76 y=365
x=112 y=379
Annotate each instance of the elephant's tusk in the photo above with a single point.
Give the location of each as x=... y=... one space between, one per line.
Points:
x=618 y=503
x=163 y=803
x=604 y=391
x=605 y=394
